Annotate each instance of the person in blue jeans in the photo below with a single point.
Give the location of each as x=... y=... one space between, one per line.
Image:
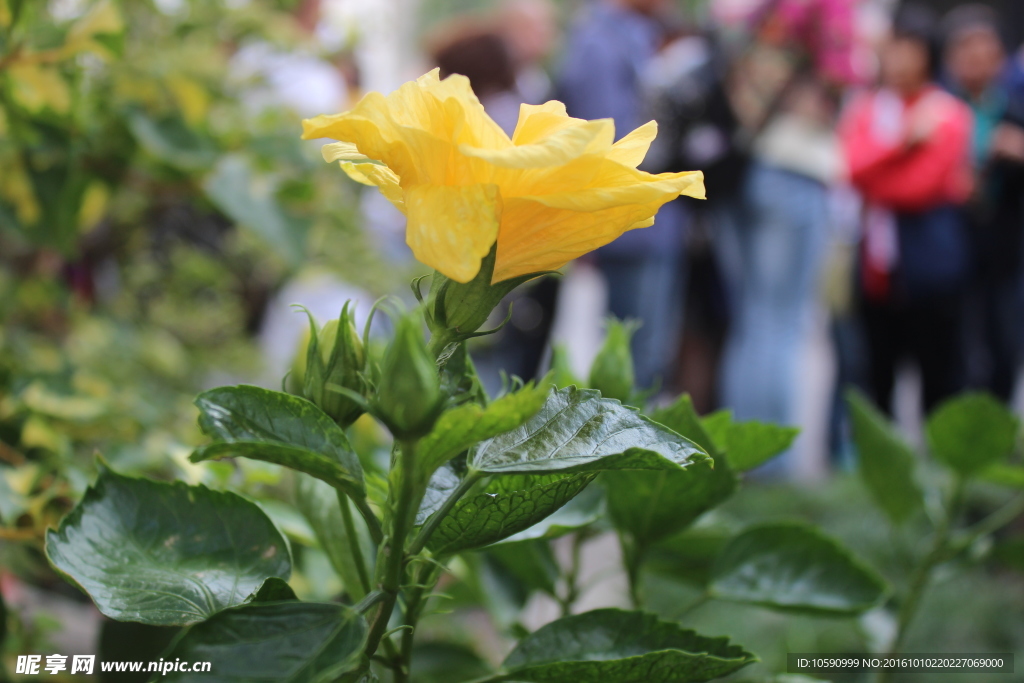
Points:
x=784 y=86
x=607 y=50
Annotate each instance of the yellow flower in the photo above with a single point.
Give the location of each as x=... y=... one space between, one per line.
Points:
x=556 y=190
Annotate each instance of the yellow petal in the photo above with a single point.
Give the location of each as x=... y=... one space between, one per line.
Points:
x=555 y=149
x=377 y=175
x=632 y=149
x=451 y=228
x=342 y=151
x=547 y=239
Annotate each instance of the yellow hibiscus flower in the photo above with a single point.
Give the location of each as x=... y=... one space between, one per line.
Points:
x=557 y=189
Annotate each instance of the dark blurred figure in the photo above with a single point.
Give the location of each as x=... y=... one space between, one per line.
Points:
x=530 y=28
x=480 y=53
x=975 y=61
x=908 y=150
x=607 y=50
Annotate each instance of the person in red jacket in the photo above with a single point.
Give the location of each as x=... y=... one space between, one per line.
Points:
x=907 y=147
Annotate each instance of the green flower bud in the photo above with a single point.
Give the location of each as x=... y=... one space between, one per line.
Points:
x=335 y=358
x=456 y=310
x=612 y=371
x=409 y=397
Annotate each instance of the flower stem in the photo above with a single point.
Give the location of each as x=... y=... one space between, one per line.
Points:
x=391 y=564
x=923 y=573
x=353 y=542
x=372 y=523
x=413 y=608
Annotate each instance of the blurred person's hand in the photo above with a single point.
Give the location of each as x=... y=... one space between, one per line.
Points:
x=924 y=119
x=1008 y=143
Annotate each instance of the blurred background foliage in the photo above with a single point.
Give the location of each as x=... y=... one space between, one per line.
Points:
x=149 y=212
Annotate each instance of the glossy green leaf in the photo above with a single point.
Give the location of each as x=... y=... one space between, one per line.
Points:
x=581 y=511
x=795 y=567
x=578 y=431
x=972 y=431
x=165 y=554
x=458 y=429
x=506 y=506
x=279 y=428
x=249 y=200
x=885 y=461
x=625 y=647
x=654 y=505
x=284 y=642
x=273 y=589
x=320 y=505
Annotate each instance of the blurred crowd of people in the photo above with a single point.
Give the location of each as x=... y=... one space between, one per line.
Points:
x=870 y=149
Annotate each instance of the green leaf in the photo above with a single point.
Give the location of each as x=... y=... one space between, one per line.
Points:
x=532 y=563
x=505 y=506
x=284 y=642
x=1004 y=474
x=250 y=201
x=272 y=590
x=750 y=444
x=681 y=417
x=717 y=426
x=612 y=370
x=972 y=431
x=165 y=554
x=279 y=428
x=437 y=662
x=578 y=431
x=885 y=461
x=172 y=142
x=797 y=568
x=746 y=444
x=581 y=511
x=458 y=429
x=320 y=505
x=625 y=647
x=654 y=505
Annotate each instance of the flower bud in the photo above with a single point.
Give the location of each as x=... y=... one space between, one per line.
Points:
x=335 y=358
x=457 y=310
x=409 y=395
x=612 y=371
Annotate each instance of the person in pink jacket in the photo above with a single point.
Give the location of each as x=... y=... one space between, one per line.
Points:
x=907 y=148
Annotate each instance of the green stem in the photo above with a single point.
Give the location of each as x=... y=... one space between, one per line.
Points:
x=572 y=589
x=413 y=608
x=923 y=573
x=632 y=554
x=372 y=523
x=991 y=524
x=420 y=542
x=439 y=341
x=391 y=564
x=371 y=599
x=355 y=547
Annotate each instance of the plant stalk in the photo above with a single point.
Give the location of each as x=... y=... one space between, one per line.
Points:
x=355 y=547
x=923 y=574
x=390 y=567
